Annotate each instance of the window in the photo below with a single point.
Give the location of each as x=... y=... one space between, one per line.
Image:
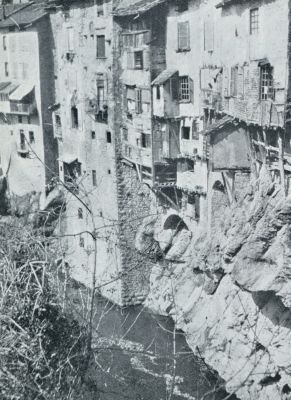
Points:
x=28 y=120
x=208 y=34
x=254 y=21
x=195 y=130
x=23 y=70
x=125 y=134
x=181 y=5
x=58 y=120
x=22 y=140
x=109 y=171
x=94 y=178
x=74 y=117
x=138 y=60
x=100 y=93
x=100 y=46
x=108 y=137
x=70 y=39
x=185 y=132
x=183 y=36
x=100 y=8
x=138 y=101
x=19 y=119
x=145 y=140
x=81 y=242
x=267 y=83
x=185 y=89
x=6 y=69
x=158 y=92
x=31 y=137
x=93 y=135
x=80 y=213
x=4 y=43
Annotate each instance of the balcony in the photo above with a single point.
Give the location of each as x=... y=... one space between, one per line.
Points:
x=22 y=108
x=58 y=132
x=138 y=155
x=211 y=99
x=165 y=173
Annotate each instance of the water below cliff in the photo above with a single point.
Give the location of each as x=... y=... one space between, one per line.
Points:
x=140 y=356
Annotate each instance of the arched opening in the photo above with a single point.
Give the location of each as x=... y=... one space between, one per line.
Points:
x=175 y=223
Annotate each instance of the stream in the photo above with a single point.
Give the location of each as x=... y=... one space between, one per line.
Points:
x=140 y=356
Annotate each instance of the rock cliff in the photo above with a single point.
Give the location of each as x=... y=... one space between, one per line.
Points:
x=230 y=290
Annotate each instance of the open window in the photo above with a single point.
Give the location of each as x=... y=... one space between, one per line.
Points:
x=74 y=117
x=72 y=171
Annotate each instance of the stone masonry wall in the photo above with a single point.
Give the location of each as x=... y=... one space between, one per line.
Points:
x=134 y=198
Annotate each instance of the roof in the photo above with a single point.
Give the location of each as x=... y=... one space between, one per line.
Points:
x=131 y=7
x=164 y=76
x=22 y=91
x=7 y=87
x=21 y=14
x=220 y=124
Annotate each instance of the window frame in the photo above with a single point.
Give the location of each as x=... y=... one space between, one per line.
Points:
x=185 y=89
x=138 y=64
x=267 y=81
x=180 y=37
x=254 y=21
x=31 y=137
x=94 y=177
x=103 y=46
x=74 y=117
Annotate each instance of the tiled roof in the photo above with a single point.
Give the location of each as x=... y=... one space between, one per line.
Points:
x=219 y=124
x=164 y=76
x=130 y=7
x=21 y=14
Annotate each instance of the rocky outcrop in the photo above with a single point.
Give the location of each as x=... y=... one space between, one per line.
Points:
x=230 y=292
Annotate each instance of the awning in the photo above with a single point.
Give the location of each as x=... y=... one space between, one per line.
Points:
x=263 y=61
x=22 y=91
x=7 y=87
x=68 y=158
x=164 y=76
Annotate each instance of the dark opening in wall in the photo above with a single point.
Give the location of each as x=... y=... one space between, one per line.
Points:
x=74 y=117
x=175 y=222
x=185 y=132
x=93 y=135
x=108 y=137
x=80 y=213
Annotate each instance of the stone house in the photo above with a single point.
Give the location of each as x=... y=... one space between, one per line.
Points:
x=28 y=149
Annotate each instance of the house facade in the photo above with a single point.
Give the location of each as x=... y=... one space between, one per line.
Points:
x=28 y=148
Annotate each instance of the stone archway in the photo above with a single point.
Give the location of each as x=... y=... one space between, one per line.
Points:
x=175 y=223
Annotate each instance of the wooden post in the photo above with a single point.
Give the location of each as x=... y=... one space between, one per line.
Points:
x=281 y=160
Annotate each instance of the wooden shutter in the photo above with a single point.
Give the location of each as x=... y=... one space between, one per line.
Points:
x=240 y=82
x=70 y=37
x=191 y=89
x=208 y=34
x=101 y=46
x=130 y=59
x=225 y=81
x=138 y=101
x=146 y=59
x=183 y=36
x=233 y=81
x=174 y=87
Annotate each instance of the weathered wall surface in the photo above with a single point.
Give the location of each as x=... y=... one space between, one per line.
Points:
x=231 y=293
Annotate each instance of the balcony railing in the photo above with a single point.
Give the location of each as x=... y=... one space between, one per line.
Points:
x=139 y=155
x=22 y=108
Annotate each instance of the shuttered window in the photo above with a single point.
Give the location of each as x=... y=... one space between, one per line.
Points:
x=208 y=35
x=237 y=81
x=138 y=60
x=70 y=39
x=100 y=46
x=183 y=36
x=138 y=101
